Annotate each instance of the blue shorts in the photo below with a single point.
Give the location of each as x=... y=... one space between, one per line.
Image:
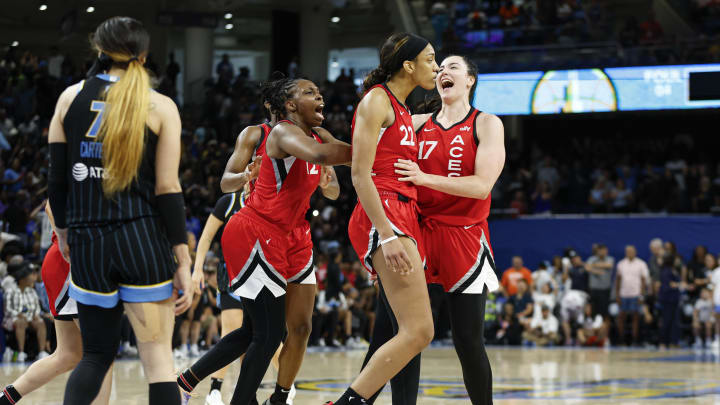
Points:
x=226 y=301
x=717 y=309
x=631 y=305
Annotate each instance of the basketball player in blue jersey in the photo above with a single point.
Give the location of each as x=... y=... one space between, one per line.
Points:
x=120 y=213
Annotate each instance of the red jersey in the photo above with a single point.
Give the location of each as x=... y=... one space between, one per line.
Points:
x=450 y=152
x=260 y=147
x=283 y=190
x=395 y=142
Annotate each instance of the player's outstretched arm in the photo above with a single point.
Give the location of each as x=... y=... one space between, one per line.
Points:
x=293 y=141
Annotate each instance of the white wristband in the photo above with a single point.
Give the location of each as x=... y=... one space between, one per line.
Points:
x=390 y=239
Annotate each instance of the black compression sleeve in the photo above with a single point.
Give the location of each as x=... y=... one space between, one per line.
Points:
x=172 y=211
x=57 y=183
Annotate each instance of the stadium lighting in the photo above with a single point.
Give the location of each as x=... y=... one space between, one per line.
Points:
x=15 y=43
x=335 y=64
x=228 y=16
x=335 y=19
x=43 y=7
x=228 y=26
x=316 y=213
x=90 y=9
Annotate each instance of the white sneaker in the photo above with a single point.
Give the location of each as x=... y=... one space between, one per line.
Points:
x=715 y=345
x=8 y=355
x=194 y=350
x=129 y=349
x=42 y=355
x=350 y=343
x=698 y=343
x=214 y=398
x=180 y=354
x=22 y=356
x=291 y=395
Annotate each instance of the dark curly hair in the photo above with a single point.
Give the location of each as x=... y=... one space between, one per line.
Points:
x=276 y=92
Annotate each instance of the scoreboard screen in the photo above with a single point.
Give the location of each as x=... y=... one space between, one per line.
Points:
x=599 y=90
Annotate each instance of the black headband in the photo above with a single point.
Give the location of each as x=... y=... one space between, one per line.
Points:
x=410 y=50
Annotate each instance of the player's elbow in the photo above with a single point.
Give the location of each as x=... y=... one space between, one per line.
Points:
x=166 y=186
x=225 y=185
x=481 y=190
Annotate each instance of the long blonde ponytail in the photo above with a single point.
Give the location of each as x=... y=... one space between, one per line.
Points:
x=122 y=130
x=125 y=42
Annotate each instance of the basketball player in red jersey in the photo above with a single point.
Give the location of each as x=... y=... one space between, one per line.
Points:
x=461 y=154
x=67 y=354
x=257 y=242
x=383 y=228
x=300 y=297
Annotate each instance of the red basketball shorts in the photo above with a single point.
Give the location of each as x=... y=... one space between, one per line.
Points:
x=459 y=257
x=300 y=269
x=403 y=216
x=55 y=275
x=259 y=255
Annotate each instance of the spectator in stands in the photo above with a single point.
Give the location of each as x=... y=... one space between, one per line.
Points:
x=599 y=196
x=510 y=330
x=519 y=204
x=704 y=200
x=545 y=297
x=225 y=69
x=13 y=177
x=656 y=252
x=543 y=330
x=572 y=306
x=698 y=268
x=542 y=198
x=477 y=20
x=510 y=13
x=631 y=283
x=703 y=319
x=593 y=329
x=440 y=20
x=600 y=268
x=523 y=302
x=651 y=30
x=512 y=275
x=542 y=276
x=22 y=309
x=576 y=273
x=669 y=301
x=621 y=197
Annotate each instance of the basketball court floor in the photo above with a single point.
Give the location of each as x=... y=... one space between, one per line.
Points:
x=521 y=376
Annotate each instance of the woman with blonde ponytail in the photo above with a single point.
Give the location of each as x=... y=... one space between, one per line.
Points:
x=119 y=211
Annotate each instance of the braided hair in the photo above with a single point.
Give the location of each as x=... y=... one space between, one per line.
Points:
x=276 y=92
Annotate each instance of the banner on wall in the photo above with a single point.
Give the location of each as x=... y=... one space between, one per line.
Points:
x=598 y=90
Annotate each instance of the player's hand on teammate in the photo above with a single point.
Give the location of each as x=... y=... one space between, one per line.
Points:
x=411 y=172
x=396 y=257
x=62 y=243
x=253 y=168
x=325 y=178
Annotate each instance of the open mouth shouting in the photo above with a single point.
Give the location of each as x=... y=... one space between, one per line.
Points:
x=446 y=83
x=319 y=111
